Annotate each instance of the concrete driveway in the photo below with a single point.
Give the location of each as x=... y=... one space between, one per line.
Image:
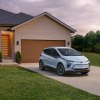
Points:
x=89 y=83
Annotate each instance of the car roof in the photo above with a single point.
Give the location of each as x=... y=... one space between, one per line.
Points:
x=57 y=47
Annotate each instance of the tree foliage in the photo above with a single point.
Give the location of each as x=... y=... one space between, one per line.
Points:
x=78 y=42
x=97 y=47
x=90 y=42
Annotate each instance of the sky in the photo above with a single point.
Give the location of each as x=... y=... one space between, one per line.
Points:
x=82 y=15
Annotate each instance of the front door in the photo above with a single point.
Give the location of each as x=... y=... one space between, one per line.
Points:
x=5 y=46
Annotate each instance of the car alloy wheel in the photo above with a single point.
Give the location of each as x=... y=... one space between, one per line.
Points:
x=60 y=70
x=41 y=65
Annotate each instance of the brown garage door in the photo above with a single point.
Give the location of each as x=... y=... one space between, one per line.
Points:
x=31 y=49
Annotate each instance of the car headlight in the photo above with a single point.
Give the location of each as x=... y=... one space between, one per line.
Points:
x=69 y=62
x=88 y=62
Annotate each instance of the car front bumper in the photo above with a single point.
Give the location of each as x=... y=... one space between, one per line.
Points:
x=78 y=68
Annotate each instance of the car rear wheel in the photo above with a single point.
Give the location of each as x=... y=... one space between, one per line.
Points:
x=41 y=65
x=60 y=69
x=84 y=73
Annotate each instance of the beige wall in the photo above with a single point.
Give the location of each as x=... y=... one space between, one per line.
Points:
x=42 y=28
x=2 y=29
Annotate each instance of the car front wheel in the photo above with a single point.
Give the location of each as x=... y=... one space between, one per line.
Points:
x=60 y=69
x=41 y=65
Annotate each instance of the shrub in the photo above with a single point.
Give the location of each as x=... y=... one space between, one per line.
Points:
x=0 y=56
x=97 y=48
x=18 y=57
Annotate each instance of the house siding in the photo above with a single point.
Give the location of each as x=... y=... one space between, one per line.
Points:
x=42 y=28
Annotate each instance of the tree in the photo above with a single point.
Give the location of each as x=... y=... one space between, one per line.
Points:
x=78 y=42
x=97 y=36
x=97 y=47
x=90 y=41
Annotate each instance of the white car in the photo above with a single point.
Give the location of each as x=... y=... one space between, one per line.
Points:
x=64 y=59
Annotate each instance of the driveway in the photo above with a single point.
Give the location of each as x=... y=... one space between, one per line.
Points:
x=89 y=83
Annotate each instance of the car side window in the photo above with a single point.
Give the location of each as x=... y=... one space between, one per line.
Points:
x=54 y=53
x=47 y=51
x=51 y=52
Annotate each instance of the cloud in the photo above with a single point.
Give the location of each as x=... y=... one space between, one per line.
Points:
x=80 y=3
x=31 y=0
x=83 y=15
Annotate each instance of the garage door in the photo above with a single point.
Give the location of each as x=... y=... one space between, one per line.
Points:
x=31 y=49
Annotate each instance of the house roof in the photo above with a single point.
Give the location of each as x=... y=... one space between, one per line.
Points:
x=16 y=20
x=51 y=17
x=11 y=19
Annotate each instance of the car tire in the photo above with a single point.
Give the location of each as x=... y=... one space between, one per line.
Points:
x=84 y=73
x=41 y=65
x=60 y=69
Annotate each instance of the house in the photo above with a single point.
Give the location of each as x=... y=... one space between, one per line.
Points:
x=29 y=34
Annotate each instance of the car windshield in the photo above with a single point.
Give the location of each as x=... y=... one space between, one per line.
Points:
x=69 y=52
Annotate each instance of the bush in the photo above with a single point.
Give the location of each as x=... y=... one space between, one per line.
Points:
x=18 y=57
x=0 y=56
x=97 y=48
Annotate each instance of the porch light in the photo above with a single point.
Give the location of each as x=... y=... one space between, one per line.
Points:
x=68 y=43
x=17 y=42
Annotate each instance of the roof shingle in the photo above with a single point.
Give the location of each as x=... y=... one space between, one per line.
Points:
x=11 y=19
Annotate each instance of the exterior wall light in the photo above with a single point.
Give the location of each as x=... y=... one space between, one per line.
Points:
x=17 y=42
x=68 y=43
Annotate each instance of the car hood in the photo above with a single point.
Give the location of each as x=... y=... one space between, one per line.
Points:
x=76 y=58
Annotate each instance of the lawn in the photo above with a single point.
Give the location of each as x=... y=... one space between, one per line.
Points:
x=93 y=57
x=17 y=83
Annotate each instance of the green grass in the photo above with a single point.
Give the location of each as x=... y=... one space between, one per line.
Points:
x=17 y=83
x=94 y=58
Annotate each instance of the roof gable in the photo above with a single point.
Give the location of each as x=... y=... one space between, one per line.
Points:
x=49 y=16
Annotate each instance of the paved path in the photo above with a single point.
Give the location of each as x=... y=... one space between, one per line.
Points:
x=89 y=83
